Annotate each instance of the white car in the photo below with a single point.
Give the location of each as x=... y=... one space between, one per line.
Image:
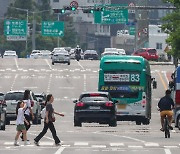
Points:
x=35 y=54
x=110 y=53
x=46 y=54
x=61 y=56
x=10 y=54
x=121 y=51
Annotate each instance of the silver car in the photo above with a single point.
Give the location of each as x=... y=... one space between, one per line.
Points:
x=61 y=56
x=11 y=99
x=2 y=112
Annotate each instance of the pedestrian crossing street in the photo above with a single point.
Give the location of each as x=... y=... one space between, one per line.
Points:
x=135 y=145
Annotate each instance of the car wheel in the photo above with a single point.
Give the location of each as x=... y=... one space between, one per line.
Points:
x=138 y=122
x=146 y=121
x=7 y=122
x=178 y=122
x=77 y=123
x=68 y=63
x=113 y=123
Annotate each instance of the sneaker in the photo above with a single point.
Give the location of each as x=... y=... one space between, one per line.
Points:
x=16 y=143
x=170 y=127
x=58 y=144
x=26 y=143
x=36 y=143
x=162 y=129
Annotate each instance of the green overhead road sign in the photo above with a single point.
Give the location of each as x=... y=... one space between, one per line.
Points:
x=112 y=14
x=52 y=28
x=15 y=28
x=132 y=30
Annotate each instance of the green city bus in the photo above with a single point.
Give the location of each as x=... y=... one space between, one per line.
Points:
x=128 y=80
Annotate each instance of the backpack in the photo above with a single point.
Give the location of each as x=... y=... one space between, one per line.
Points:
x=43 y=113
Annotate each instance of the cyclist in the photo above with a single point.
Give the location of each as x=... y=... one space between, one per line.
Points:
x=166 y=104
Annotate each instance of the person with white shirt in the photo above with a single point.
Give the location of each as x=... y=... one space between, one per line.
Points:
x=21 y=106
x=28 y=111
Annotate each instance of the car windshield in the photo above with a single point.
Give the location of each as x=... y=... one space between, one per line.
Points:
x=87 y=99
x=152 y=51
x=14 y=96
x=1 y=97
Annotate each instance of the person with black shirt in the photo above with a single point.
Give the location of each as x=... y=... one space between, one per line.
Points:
x=165 y=105
x=48 y=121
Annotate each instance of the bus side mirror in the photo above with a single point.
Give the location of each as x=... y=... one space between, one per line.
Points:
x=171 y=84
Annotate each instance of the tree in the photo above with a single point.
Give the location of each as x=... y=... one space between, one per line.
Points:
x=172 y=27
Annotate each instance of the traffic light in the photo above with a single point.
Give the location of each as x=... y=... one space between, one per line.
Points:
x=71 y=8
x=88 y=11
x=59 y=10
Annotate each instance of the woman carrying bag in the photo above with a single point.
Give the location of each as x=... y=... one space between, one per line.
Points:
x=48 y=121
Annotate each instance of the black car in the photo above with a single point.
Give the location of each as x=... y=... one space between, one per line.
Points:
x=91 y=55
x=95 y=107
x=2 y=112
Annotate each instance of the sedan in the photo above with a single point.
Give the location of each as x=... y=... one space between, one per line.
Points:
x=95 y=107
x=61 y=56
x=2 y=112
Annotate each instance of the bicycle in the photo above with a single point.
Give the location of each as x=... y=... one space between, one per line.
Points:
x=166 y=127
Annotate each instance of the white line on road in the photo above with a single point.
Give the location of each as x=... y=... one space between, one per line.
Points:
x=14 y=81
x=85 y=82
x=48 y=64
x=16 y=63
x=80 y=65
x=60 y=150
x=167 y=151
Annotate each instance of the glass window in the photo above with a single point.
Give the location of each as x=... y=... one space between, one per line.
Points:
x=55 y=0
x=158 y=45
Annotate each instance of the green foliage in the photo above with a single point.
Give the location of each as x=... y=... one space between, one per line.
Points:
x=172 y=27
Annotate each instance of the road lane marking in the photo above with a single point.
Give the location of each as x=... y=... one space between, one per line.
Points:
x=98 y=146
x=167 y=151
x=48 y=64
x=85 y=82
x=135 y=146
x=12 y=86
x=165 y=86
x=116 y=144
x=149 y=144
x=135 y=139
x=166 y=77
x=16 y=63
x=80 y=65
x=60 y=150
x=49 y=84
x=81 y=143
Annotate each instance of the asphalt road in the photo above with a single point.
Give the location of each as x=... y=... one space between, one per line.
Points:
x=66 y=83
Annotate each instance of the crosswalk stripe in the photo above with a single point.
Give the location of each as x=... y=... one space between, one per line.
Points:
x=151 y=144
x=169 y=147
x=116 y=144
x=98 y=146
x=135 y=146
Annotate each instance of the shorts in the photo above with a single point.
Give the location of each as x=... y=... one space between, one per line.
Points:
x=20 y=127
x=169 y=113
